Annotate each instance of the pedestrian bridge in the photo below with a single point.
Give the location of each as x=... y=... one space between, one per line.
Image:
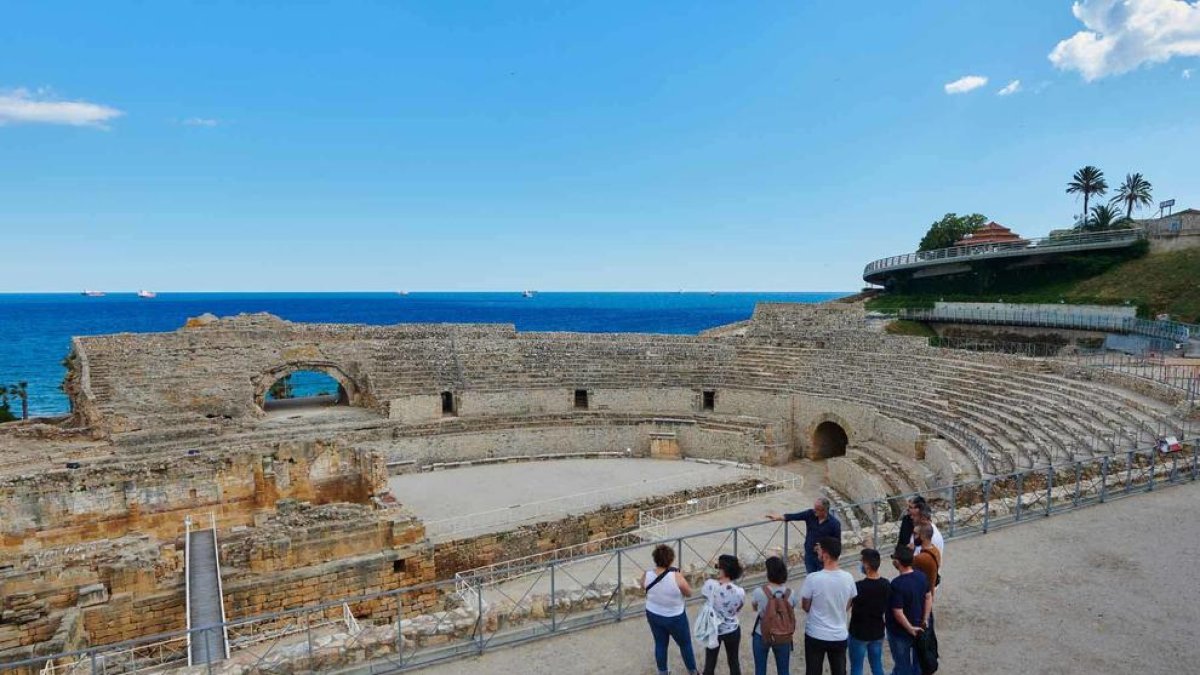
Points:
x=949 y=260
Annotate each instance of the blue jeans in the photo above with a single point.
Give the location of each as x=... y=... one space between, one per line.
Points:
x=666 y=628
x=872 y=651
x=812 y=563
x=783 y=656
x=903 y=652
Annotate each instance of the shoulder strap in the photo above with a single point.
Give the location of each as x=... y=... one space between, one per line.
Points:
x=659 y=578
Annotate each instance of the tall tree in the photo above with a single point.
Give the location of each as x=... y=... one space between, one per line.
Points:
x=950 y=229
x=1133 y=193
x=1087 y=181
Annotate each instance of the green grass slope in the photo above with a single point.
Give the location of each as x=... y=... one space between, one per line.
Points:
x=1156 y=283
x=1163 y=282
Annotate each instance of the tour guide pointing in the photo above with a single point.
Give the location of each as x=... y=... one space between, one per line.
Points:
x=819 y=523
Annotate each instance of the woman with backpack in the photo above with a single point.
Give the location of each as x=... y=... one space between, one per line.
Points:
x=726 y=599
x=775 y=626
x=666 y=590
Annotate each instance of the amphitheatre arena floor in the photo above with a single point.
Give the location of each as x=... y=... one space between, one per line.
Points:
x=1107 y=589
x=497 y=497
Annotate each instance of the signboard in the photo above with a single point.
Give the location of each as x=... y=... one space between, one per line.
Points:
x=1167 y=204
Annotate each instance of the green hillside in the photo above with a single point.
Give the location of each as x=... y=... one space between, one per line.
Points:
x=1156 y=283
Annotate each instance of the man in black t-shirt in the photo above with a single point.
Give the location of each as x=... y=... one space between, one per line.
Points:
x=867 y=618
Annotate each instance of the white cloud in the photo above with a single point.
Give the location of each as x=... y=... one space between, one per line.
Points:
x=1186 y=74
x=1122 y=35
x=20 y=106
x=1010 y=88
x=964 y=84
x=200 y=122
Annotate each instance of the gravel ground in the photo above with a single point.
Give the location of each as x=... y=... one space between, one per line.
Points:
x=1108 y=589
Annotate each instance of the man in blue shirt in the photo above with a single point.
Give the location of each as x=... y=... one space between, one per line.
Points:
x=910 y=604
x=818 y=523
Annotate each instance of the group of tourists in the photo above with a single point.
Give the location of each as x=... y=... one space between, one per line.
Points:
x=845 y=621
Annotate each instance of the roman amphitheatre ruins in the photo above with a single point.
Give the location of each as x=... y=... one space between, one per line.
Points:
x=473 y=485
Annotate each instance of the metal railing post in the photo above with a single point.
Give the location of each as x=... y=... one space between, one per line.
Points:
x=1079 y=481
x=1128 y=471
x=553 y=602
x=1049 y=488
x=1103 y=479
x=987 y=504
x=953 y=507
x=875 y=523
x=479 y=609
x=787 y=560
x=620 y=588
x=1195 y=456
x=735 y=541
x=399 y=625
x=1020 y=493
x=308 y=639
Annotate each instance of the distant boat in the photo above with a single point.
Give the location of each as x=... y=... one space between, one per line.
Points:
x=527 y=294
x=146 y=294
x=93 y=294
x=401 y=292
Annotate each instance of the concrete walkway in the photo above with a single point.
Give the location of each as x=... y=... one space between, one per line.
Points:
x=1108 y=589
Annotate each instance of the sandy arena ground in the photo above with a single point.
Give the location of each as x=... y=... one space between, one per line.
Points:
x=1108 y=589
x=550 y=488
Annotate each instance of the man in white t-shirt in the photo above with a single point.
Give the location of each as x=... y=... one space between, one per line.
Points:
x=826 y=596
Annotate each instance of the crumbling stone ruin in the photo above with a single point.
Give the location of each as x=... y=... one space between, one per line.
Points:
x=173 y=427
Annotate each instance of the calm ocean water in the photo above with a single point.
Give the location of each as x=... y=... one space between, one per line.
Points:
x=35 y=330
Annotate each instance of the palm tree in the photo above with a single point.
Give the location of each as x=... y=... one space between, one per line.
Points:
x=1103 y=217
x=1134 y=192
x=21 y=391
x=1087 y=181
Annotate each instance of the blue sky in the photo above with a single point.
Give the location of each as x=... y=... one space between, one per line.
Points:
x=562 y=146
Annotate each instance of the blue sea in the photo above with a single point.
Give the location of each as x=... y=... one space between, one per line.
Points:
x=36 y=329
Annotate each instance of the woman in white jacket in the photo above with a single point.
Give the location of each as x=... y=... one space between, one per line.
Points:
x=726 y=599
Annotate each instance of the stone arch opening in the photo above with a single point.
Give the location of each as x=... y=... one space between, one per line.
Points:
x=304 y=385
x=829 y=439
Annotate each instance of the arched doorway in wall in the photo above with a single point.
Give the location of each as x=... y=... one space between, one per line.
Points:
x=829 y=439
x=303 y=386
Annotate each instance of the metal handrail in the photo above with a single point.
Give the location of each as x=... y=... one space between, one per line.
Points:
x=187 y=581
x=1019 y=315
x=1052 y=244
x=212 y=518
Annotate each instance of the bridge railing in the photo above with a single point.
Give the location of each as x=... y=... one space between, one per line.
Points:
x=1073 y=241
x=1019 y=315
x=410 y=627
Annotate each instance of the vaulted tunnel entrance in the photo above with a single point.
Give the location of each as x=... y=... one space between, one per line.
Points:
x=829 y=439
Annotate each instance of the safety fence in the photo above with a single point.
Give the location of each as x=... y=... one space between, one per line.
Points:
x=1066 y=317
x=418 y=625
x=1172 y=372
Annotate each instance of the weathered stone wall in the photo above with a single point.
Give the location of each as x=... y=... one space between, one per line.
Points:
x=154 y=495
x=743 y=440
x=216 y=372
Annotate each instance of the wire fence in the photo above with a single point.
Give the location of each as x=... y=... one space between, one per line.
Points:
x=415 y=626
